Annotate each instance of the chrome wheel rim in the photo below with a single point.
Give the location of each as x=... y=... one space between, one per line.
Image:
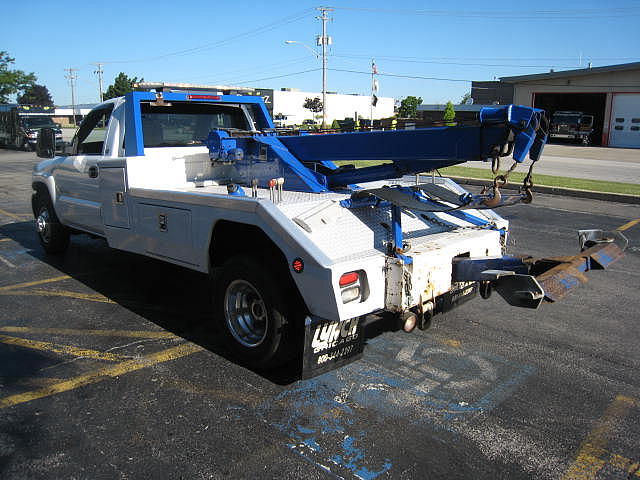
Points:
x=43 y=225
x=245 y=313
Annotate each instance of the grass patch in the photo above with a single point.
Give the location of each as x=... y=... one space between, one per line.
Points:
x=548 y=180
x=517 y=177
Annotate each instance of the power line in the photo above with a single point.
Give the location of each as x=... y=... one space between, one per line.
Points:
x=368 y=55
x=432 y=62
x=239 y=79
x=502 y=14
x=420 y=77
x=389 y=59
x=259 y=68
x=417 y=77
x=265 y=28
x=282 y=76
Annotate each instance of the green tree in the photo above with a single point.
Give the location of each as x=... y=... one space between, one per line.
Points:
x=409 y=107
x=313 y=104
x=36 y=95
x=465 y=98
x=12 y=81
x=121 y=85
x=449 y=114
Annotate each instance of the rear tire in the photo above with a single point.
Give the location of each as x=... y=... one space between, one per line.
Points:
x=53 y=236
x=256 y=312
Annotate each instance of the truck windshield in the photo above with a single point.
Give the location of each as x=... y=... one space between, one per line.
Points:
x=187 y=123
x=565 y=119
x=38 y=122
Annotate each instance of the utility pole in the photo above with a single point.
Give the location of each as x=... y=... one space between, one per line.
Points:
x=71 y=76
x=324 y=40
x=99 y=72
x=374 y=89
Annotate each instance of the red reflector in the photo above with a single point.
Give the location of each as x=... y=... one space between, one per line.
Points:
x=348 y=278
x=298 y=265
x=203 y=97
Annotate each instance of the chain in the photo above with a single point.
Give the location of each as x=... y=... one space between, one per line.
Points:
x=527 y=185
x=408 y=286
x=495 y=162
x=500 y=181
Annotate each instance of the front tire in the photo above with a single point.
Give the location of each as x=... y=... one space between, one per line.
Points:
x=255 y=319
x=53 y=236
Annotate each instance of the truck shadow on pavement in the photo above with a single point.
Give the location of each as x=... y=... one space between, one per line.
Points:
x=174 y=298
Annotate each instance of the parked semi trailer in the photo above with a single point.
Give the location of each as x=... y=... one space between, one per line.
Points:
x=301 y=244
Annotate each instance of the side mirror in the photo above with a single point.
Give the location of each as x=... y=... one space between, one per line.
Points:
x=46 y=146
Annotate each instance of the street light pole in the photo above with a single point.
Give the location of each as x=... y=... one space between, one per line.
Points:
x=324 y=40
x=321 y=40
x=291 y=42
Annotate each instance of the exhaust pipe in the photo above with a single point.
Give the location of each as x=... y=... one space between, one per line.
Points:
x=408 y=320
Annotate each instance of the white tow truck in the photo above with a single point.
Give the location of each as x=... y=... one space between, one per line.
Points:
x=299 y=248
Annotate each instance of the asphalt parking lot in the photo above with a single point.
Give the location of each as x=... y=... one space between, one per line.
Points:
x=110 y=368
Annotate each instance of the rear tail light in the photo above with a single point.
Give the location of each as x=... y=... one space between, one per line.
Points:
x=349 y=278
x=350 y=294
x=352 y=286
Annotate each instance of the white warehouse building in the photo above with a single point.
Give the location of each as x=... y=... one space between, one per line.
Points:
x=286 y=106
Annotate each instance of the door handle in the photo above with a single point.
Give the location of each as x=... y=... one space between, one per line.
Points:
x=93 y=171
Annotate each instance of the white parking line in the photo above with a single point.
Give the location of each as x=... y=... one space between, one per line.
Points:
x=6 y=262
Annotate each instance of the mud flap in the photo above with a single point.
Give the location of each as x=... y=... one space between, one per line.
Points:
x=330 y=344
x=461 y=293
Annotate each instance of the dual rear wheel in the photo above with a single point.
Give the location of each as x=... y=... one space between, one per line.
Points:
x=257 y=309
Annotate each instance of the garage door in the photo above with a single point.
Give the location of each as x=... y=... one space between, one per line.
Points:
x=625 y=121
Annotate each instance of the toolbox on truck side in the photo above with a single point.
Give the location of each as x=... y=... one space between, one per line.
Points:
x=300 y=249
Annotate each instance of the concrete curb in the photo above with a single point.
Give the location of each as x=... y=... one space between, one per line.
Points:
x=570 y=192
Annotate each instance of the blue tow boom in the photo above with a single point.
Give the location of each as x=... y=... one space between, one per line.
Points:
x=306 y=162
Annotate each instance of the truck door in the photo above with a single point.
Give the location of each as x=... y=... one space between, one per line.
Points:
x=77 y=178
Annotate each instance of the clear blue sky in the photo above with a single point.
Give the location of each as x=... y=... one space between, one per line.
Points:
x=242 y=42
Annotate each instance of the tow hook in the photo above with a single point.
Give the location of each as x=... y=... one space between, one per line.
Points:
x=495 y=198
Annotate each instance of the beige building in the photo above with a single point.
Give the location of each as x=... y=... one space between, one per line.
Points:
x=611 y=94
